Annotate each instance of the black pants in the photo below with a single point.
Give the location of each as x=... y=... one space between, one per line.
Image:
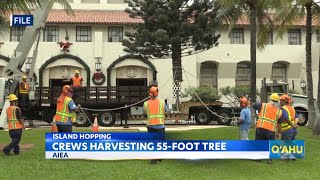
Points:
x=64 y=128
x=23 y=101
x=15 y=135
x=263 y=134
x=154 y=130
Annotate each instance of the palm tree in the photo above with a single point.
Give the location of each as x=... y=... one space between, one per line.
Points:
x=25 y=6
x=290 y=12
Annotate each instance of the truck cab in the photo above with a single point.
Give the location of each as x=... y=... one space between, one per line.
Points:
x=300 y=102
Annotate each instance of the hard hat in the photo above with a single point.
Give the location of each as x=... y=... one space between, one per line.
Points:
x=285 y=98
x=12 y=97
x=66 y=89
x=76 y=72
x=243 y=102
x=274 y=97
x=24 y=77
x=153 y=83
x=153 y=91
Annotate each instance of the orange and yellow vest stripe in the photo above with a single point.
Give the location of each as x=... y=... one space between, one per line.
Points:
x=155 y=110
x=12 y=120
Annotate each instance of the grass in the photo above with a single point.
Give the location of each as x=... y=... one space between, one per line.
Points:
x=33 y=165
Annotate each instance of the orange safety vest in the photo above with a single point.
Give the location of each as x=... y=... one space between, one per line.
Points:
x=155 y=111
x=12 y=120
x=26 y=86
x=268 y=117
x=291 y=117
x=76 y=81
x=62 y=112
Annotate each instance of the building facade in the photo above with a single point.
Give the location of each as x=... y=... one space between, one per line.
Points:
x=95 y=34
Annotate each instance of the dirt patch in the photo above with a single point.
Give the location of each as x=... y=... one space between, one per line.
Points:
x=23 y=147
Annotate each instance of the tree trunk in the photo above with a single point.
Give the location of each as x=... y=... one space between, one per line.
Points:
x=176 y=62
x=311 y=108
x=253 y=49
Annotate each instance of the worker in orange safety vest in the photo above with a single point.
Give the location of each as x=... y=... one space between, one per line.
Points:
x=154 y=111
x=76 y=83
x=23 y=92
x=15 y=126
x=268 y=119
x=65 y=113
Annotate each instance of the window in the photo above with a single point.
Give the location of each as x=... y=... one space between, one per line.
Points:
x=115 y=34
x=294 y=37
x=318 y=35
x=51 y=34
x=237 y=36
x=208 y=74
x=115 y=1
x=83 y=34
x=243 y=74
x=279 y=71
x=90 y=1
x=16 y=33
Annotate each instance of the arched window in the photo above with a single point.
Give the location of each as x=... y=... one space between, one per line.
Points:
x=243 y=74
x=279 y=71
x=208 y=74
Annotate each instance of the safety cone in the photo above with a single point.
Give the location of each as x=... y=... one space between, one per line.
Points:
x=54 y=127
x=95 y=127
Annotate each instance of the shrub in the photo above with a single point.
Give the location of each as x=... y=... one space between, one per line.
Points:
x=205 y=93
x=234 y=93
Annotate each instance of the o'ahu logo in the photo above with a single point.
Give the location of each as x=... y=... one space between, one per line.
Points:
x=287 y=149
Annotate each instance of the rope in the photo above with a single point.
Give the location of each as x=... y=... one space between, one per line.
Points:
x=205 y=104
x=127 y=106
x=123 y=107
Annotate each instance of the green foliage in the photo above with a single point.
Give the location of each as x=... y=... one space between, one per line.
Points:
x=205 y=93
x=234 y=93
x=172 y=29
x=293 y=91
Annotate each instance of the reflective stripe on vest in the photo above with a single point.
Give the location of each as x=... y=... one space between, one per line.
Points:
x=62 y=113
x=291 y=117
x=23 y=91
x=155 y=112
x=268 y=117
x=12 y=120
x=76 y=81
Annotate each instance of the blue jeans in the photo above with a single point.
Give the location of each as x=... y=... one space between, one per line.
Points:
x=244 y=134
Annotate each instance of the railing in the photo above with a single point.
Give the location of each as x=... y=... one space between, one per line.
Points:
x=96 y=95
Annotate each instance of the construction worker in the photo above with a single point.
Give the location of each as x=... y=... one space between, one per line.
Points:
x=288 y=122
x=154 y=111
x=76 y=83
x=24 y=97
x=65 y=113
x=15 y=126
x=268 y=119
x=245 y=119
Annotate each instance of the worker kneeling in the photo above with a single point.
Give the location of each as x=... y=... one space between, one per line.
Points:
x=154 y=110
x=15 y=125
x=268 y=119
x=65 y=113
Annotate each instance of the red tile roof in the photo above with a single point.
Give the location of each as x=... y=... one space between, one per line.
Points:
x=92 y=17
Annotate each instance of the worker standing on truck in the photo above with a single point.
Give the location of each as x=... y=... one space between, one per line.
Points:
x=76 y=83
x=288 y=122
x=245 y=119
x=268 y=119
x=23 y=97
x=65 y=113
x=154 y=111
x=15 y=126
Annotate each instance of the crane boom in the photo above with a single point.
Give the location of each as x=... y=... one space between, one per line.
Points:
x=13 y=69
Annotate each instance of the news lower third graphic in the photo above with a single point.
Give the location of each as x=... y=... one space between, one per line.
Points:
x=21 y=20
x=118 y=146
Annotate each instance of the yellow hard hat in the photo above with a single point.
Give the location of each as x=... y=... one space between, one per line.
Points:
x=76 y=72
x=274 y=97
x=24 y=77
x=12 y=97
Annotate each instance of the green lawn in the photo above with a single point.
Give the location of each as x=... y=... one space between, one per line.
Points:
x=33 y=165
